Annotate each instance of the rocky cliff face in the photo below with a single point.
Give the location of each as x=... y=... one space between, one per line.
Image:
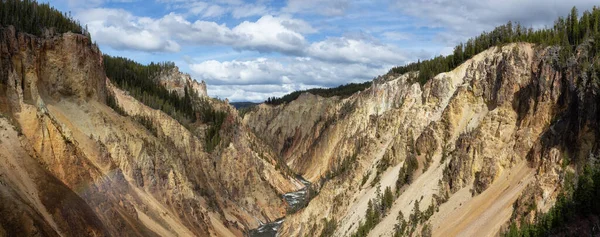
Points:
x=469 y=144
x=73 y=166
x=174 y=80
x=480 y=134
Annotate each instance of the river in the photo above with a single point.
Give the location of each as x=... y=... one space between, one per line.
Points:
x=296 y=201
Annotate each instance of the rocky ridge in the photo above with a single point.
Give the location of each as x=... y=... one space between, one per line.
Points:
x=480 y=133
x=174 y=80
x=117 y=177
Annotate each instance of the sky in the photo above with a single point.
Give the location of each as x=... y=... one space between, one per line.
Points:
x=249 y=50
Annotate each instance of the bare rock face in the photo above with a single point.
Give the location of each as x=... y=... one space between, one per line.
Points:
x=77 y=168
x=295 y=129
x=480 y=133
x=493 y=132
x=174 y=80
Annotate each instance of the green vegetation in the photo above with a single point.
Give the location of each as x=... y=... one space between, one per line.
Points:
x=147 y=123
x=364 y=179
x=406 y=173
x=408 y=228
x=376 y=210
x=382 y=166
x=571 y=206
x=243 y=111
x=342 y=91
x=112 y=102
x=426 y=231
x=32 y=17
x=567 y=32
x=215 y=120
x=343 y=167
x=401 y=228
x=242 y=105
x=141 y=81
x=329 y=229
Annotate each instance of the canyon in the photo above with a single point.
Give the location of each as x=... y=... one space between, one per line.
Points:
x=495 y=141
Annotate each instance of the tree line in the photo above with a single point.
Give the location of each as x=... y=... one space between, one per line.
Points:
x=567 y=32
x=142 y=82
x=342 y=91
x=377 y=208
x=32 y=17
x=572 y=206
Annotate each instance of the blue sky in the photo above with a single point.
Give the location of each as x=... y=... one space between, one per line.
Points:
x=250 y=50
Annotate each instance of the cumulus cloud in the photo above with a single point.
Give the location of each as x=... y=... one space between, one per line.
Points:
x=258 y=71
x=272 y=34
x=121 y=30
x=254 y=93
x=351 y=50
x=286 y=70
x=466 y=18
x=303 y=64
x=265 y=77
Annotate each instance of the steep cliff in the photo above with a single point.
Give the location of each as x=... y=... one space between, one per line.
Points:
x=480 y=134
x=92 y=145
x=74 y=166
x=174 y=80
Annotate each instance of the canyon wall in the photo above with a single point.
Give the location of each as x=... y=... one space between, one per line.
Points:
x=481 y=134
x=74 y=166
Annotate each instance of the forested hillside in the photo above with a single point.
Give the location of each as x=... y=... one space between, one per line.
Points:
x=142 y=83
x=32 y=17
x=567 y=32
x=420 y=156
x=342 y=91
x=577 y=206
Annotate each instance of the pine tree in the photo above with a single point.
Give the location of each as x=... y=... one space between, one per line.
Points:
x=573 y=27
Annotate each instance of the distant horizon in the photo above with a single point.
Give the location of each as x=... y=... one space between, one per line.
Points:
x=252 y=50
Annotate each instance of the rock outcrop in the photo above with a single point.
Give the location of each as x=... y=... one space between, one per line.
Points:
x=70 y=165
x=174 y=80
x=464 y=153
x=480 y=133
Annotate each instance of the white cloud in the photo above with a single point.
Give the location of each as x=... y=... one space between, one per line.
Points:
x=322 y=7
x=258 y=71
x=272 y=34
x=396 y=36
x=92 y=3
x=463 y=19
x=213 y=11
x=265 y=76
x=121 y=30
x=216 y=9
x=353 y=50
x=248 y=10
x=254 y=93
